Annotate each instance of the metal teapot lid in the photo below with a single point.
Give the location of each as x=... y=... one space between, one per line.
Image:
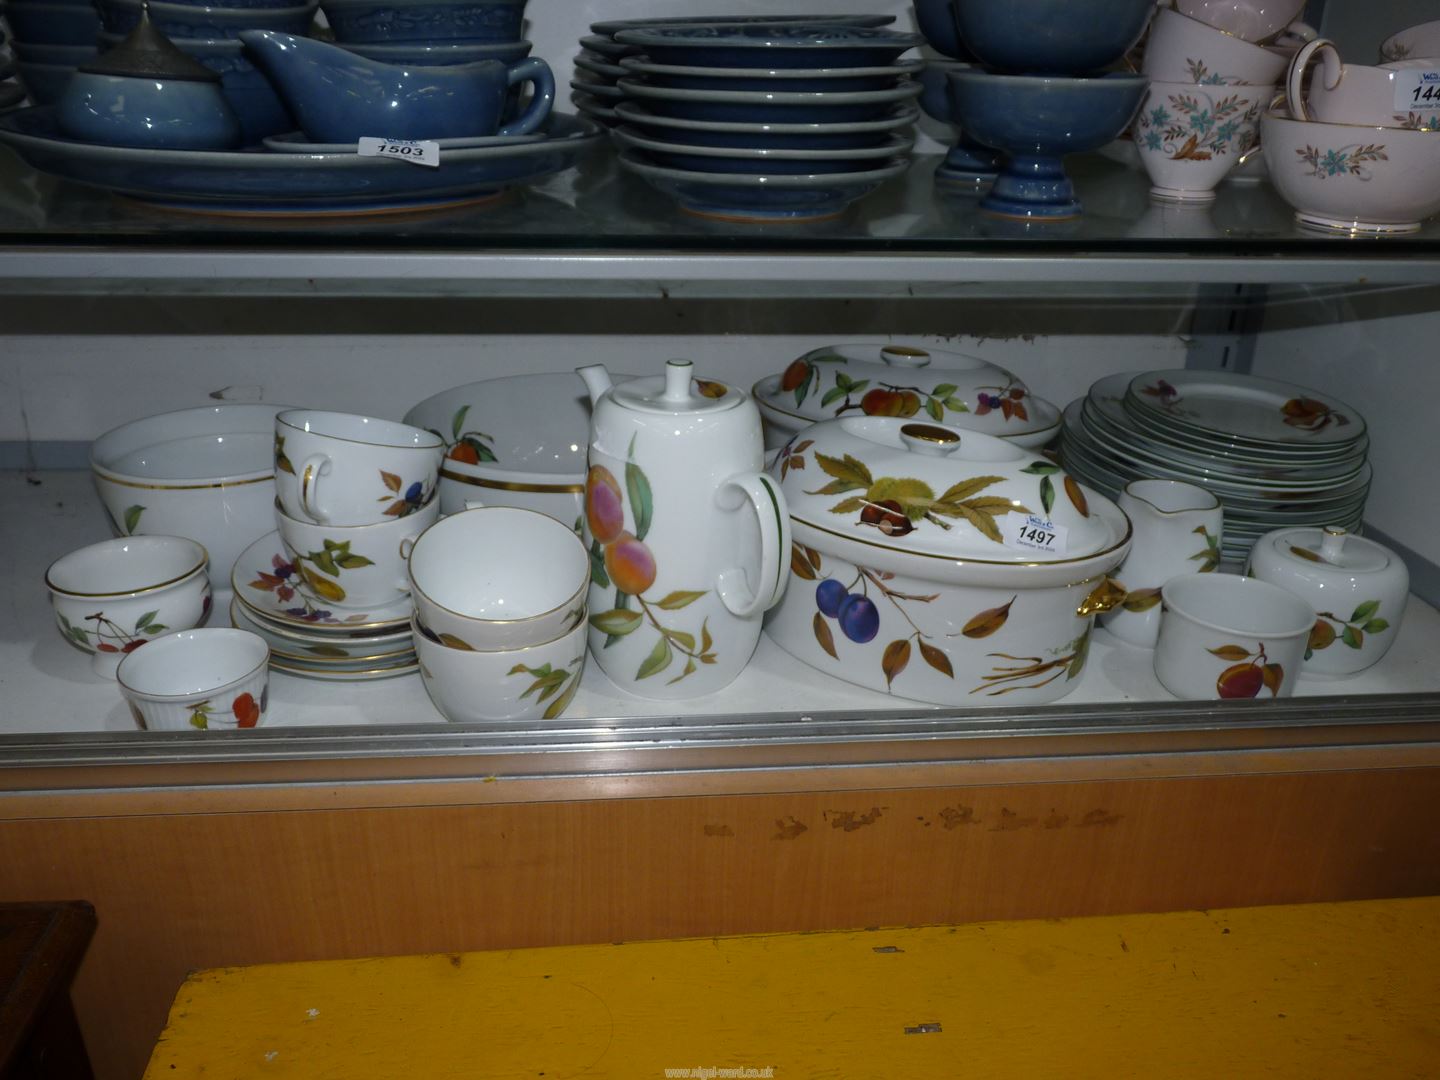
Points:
x=146 y=53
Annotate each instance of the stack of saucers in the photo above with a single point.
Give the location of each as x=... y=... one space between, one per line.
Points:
x=767 y=120
x=309 y=637
x=1275 y=454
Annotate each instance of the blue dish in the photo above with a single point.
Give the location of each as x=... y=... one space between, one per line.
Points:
x=1037 y=120
x=767 y=136
x=610 y=27
x=771 y=45
x=968 y=163
x=832 y=80
x=177 y=21
x=761 y=199
x=186 y=113
x=52 y=24
x=598 y=67
x=1051 y=37
x=608 y=47
x=936 y=20
x=764 y=161
x=362 y=22
x=759 y=107
x=443 y=54
x=254 y=182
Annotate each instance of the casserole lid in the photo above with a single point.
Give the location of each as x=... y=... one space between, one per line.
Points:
x=934 y=490
x=905 y=381
x=1317 y=551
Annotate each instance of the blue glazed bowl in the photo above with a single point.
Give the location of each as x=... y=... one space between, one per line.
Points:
x=768 y=198
x=770 y=45
x=178 y=21
x=249 y=93
x=1051 y=37
x=1037 y=120
x=44 y=82
x=760 y=161
x=375 y=22
x=835 y=80
x=936 y=20
x=767 y=136
x=968 y=163
x=759 y=107
x=127 y=110
x=52 y=24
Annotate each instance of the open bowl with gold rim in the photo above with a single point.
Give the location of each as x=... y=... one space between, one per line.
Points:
x=903 y=381
x=515 y=441
x=938 y=564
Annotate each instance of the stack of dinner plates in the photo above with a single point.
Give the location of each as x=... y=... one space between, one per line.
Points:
x=307 y=636
x=1275 y=454
x=764 y=120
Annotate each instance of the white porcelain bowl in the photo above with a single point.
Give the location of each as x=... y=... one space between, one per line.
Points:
x=1353 y=179
x=517 y=441
x=198 y=680
x=537 y=683
x=207 y=474
x=499 y=577
x=1225 y=637
x=112 y=597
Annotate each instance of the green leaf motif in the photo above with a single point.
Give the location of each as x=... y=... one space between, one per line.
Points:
x=326 y=562
x=598 y=576
x=1352 y=637
x=616 y=622
x=1365 y=610
x=849 y=473
x=689 y=670
x=457 y=424
x=832 y=395
x=641 y=501
x=1374 y=626
x=680 y=598
x=955 y=404
x=1047 y=493
x=943 y=391
x=848 y=506
x=353 y=562
x=1041 y=468
x=909 y=493
x=966 y=488
x=144 y=620
x=132 y=518
x=658 y=660
x=932 y=406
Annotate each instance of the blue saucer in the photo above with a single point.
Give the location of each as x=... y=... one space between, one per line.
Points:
x=771 y=45
x=261 y=183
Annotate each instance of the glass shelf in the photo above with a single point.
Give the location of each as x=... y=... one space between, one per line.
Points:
x=593 y=230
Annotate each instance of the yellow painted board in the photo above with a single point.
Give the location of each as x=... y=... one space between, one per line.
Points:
x=1317 y=990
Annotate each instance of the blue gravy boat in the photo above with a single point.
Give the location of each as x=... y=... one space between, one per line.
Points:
x=339 y=97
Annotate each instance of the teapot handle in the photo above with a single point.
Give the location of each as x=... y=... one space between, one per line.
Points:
x=733 y=585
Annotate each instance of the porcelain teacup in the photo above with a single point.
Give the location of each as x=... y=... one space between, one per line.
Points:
x=1253 y=20
x=1182 y=49
x=1189 y=136
x=499 y=577
x=1404 y=93
x=1415 y=41
x=112 y=597
x=198 y=680
x=359 y=567
x=343 y=469
x=533 y=683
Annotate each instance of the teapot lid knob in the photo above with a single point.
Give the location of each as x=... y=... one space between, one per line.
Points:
x=930 y=439
x=1332 y=543
x=904 y=356
x=677 y=380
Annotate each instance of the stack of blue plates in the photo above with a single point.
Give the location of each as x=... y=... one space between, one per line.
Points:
x=774 y=120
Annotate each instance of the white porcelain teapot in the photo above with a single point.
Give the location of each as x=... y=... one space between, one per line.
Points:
x=685 y=531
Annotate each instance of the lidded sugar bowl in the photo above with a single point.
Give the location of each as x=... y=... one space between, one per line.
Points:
x=1357 y=587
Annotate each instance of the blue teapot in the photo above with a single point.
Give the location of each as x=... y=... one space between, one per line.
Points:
x=339 y=97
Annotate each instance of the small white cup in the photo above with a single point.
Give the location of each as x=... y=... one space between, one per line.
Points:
x=356 y=567
x=198 y=680
x=112 y=597
x=1189 y=136
x=1182 y=49
x=1253 y=20
x=1225 y=637
x=341 y=469
x=498 y=577
x=1391 y=95
x=534 y=683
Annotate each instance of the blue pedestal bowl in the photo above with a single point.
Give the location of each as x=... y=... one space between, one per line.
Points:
x=1037 y=120
x=969 y=163
x=1051 y=37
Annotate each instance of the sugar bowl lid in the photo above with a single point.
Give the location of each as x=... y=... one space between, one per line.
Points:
x=934 y=490
x=146 y=53
x=1329 y=549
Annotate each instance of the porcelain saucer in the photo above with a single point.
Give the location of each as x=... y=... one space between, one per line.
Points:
x=265 y=581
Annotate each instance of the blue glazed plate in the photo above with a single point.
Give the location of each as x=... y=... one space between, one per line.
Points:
x=761 y=198
x=595 y=109
x=810 y=136
x=771 y=45
x=598 y=67
x=769 y=107
x=295 y=142
x=743 y=160
x=834 y=80
x=262 y=183
x=611 y=27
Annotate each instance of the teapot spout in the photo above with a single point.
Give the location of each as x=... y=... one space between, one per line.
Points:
x=597 y=380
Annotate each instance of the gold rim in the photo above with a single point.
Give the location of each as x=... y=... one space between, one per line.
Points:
x=509 y=485
x=204 y=559
x=1214 y=505
x=323 y=660
x=419 y=630
x=199 y=694
x=345 y=676
x=111 y=478
x=265 y=626
x=339 y=627
x=439 y=442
